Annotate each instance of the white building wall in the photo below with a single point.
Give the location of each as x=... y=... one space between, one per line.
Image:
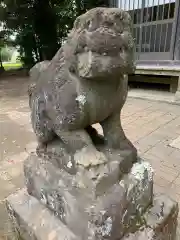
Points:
x=136 y=4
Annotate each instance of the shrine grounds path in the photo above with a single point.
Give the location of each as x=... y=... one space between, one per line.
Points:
x=151 y=126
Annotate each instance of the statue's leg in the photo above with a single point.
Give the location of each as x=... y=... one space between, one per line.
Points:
x=80 y=144
x=114 y=134
x=43 y=131
x=31 y=88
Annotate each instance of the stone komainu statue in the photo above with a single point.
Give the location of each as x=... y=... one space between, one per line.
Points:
x=85 y=83
x=80 y=185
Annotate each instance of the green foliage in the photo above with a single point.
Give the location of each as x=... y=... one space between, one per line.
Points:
x=10 y=66
x=6 y=54
x=42 y=25
x=3 y=41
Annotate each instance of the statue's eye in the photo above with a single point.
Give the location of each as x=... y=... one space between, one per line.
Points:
x=92 y=26
x=88 y=23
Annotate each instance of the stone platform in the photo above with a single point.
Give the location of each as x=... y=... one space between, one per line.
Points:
x=126 y=209
x=31 y=220
x=90 y=199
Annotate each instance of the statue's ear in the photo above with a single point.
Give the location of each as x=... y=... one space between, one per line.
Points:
x=77 y=23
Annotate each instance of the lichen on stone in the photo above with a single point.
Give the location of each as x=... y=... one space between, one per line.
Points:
x=139 y=169
x=69 y=165
x=81 y=99
x=106 y=227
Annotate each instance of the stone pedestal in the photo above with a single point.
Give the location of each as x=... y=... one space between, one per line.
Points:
x=61 y=205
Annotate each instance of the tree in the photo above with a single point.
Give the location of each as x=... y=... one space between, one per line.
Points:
x=6 y=54
x=4 y=38
x=18 y=18
x=84 y=5
x=42 y=25
x=1 y=45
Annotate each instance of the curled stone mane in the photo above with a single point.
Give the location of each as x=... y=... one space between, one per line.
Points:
x=101 y=30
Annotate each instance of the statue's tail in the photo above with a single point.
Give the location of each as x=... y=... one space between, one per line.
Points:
x=34 y=74
x=37 y=69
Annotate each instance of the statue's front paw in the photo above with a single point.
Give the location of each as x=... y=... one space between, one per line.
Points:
x=87 y=157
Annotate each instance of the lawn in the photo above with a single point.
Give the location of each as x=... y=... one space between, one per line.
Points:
x=10 y=65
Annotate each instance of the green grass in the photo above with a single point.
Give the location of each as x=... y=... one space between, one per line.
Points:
x=9 y=66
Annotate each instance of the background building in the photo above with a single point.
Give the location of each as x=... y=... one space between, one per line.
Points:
x=155 y=28
x=157 y=37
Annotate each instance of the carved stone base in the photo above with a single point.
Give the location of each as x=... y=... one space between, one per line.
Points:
x=93 y=208
x=158 y=226
x=31 y=220
x=90 y=199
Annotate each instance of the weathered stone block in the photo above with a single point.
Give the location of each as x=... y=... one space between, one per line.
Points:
x=122 y=202
x=162 y=217
x=32 y=221
x=160 y=221
x=125 y=211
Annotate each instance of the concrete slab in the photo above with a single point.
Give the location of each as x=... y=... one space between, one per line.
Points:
x=175 y=143
x=153 y=95
x=34 y=221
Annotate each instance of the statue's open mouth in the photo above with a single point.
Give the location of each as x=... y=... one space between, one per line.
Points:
x=92 y=64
